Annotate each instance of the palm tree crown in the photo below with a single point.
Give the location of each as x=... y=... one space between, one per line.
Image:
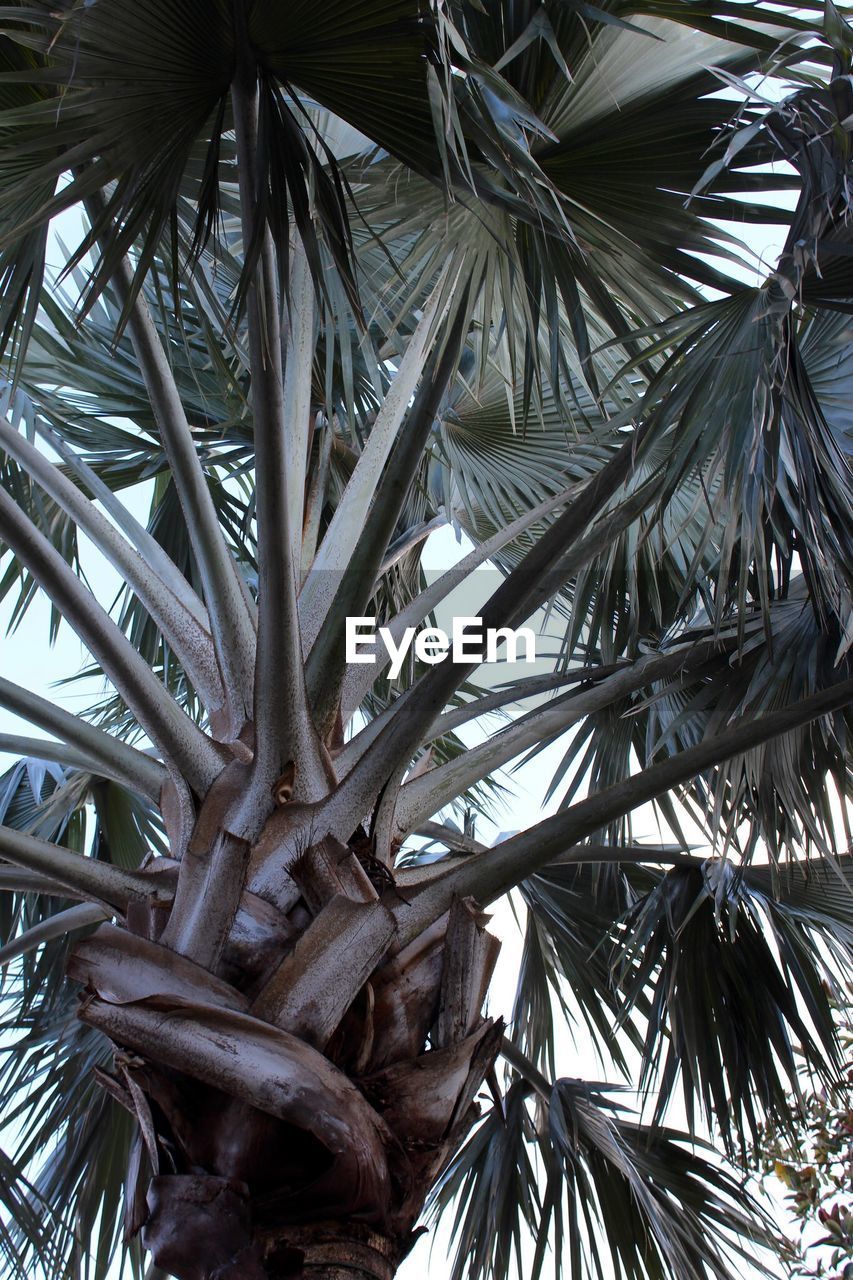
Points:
x=330 y=281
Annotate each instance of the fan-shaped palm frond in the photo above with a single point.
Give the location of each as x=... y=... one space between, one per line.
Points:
x=793 y=655
x=74 y=1201
x=50 y=1080
x=667 y=1209
x=570 y=913
x=181 y=67
x=766 y=796
x=736 y=986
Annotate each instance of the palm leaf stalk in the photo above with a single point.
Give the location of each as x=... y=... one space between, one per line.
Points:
x=340 y=280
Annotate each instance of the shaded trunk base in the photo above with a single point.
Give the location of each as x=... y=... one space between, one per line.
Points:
x=199 y=1228
x=328 y=1251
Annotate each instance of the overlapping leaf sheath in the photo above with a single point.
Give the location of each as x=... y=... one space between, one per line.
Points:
x=334 y=1085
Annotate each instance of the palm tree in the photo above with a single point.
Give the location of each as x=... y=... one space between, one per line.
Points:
x=341 y=277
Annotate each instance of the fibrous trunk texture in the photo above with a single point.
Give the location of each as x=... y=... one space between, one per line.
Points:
x=329 y=1251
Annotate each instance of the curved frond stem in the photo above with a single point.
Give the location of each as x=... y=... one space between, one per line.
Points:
x=15 y=744
x=561 y=551
x=348 y=522
x=284 y=731
x=484 y=705
x=14 y=879
x=316 y=498
x=576 y=558
x=189 y=641
x=170 y=729
x=526 y=1069
x=359 y=679
x=139 y=537
x=299 y=362
x=433 y=790
x=230 y=620
x=456 y=841
x=114 y=758
x=58 y=926
x=413 y=538
x=94 y=880
x=527 y=687
x=642 y=855
x=486 y=877
x=579 y=855
x=325 y=667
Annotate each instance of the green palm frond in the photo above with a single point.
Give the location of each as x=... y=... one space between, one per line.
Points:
x=22 y=257
x=491 y=1188
x=666 y=1210
x=669 y=1210
x=773 y=795
x=777 y=794
x=22 y=1231
x=825 y=345
x=737 y=987
x=482 y=429
x=735 y=404
x=63 y=1184
x=69 y=1131
x=570 y=913
x=60 y=531
x=646 y=578
x=146 y=110
x=633 y=114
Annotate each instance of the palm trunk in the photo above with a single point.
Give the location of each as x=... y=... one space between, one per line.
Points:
x=319 y=1251
x=297 y=1099
x=329 y=1251
x=186 y=1225
x=333 y=1250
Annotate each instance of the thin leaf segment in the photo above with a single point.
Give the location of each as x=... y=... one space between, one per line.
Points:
x=346 y=277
